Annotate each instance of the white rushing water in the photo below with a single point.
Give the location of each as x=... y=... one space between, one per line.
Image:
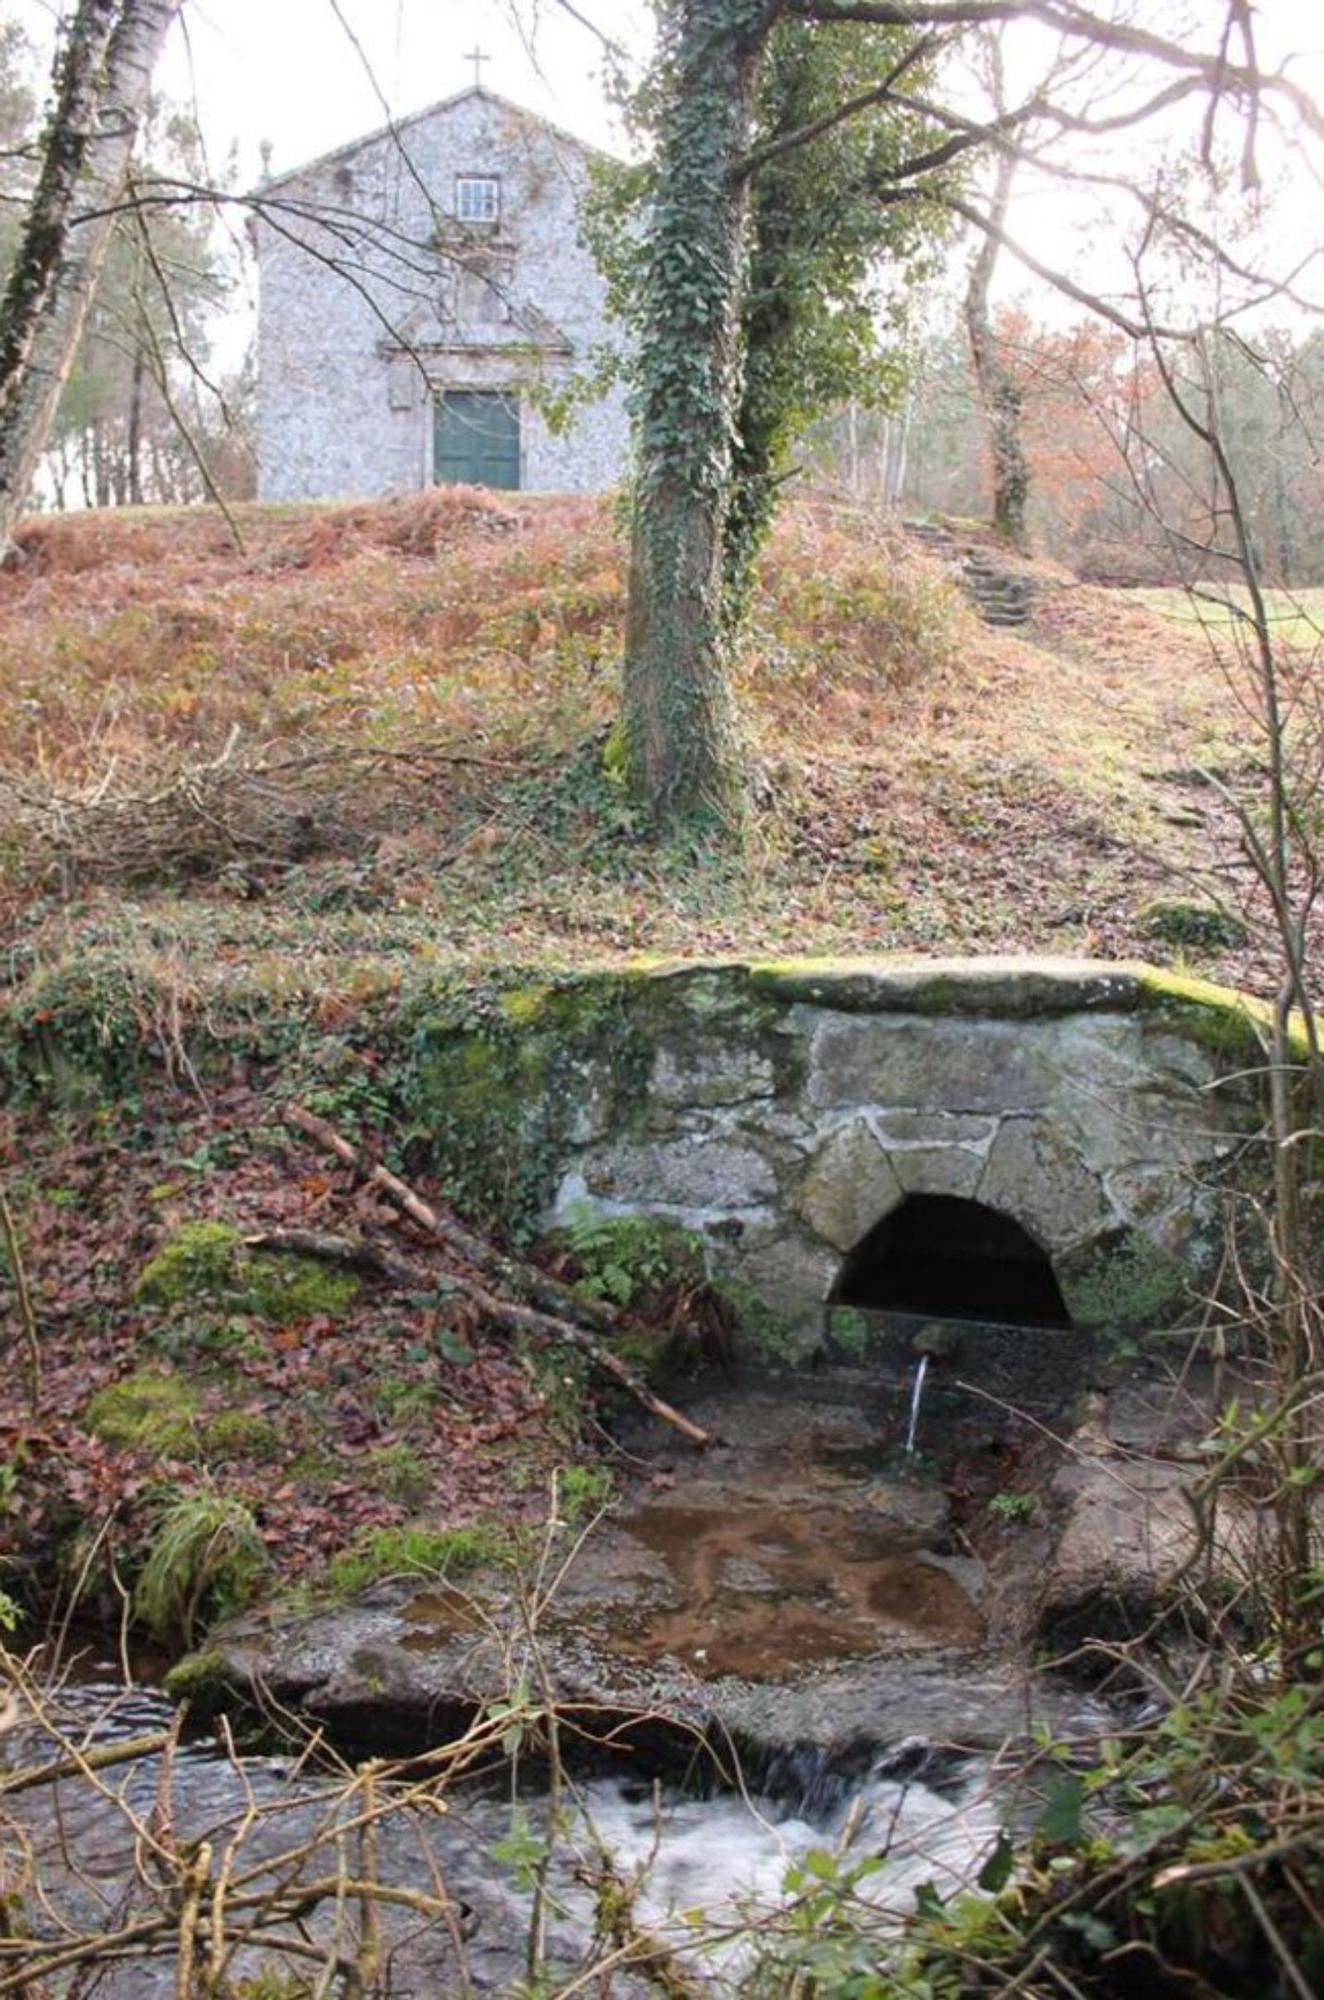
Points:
x=700 y=1868
x=727 y=1857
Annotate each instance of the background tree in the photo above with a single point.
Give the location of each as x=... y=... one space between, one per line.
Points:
x=677 y=702
x=136 y=415
x=17 y=116
x=100 y=91
x=832 y=271
x=999 y=390
x=680 y=720
x=825 y=280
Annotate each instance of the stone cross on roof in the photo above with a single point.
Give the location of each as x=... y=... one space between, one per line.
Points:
x=477 y=57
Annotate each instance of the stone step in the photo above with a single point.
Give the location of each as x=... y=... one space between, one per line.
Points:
x=1001 y=598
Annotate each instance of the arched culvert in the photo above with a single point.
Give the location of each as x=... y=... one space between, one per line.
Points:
x=945 y=1257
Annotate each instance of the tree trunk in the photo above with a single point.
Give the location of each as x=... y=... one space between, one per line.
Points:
x=102 y=78
x=134 y=441
x=679 y=713
x=999 y=392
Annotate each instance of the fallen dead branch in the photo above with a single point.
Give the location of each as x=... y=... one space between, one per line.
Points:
x=102 y=1759
x=249 y=804
x=505 y=1313
x=27 y=1318
x=512 y=1272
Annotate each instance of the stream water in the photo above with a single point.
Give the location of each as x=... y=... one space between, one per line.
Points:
x=790 y=1587
x=703 y=1867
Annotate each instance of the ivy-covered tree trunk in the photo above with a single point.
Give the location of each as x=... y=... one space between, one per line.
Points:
x=1000 y=395
x=102 y=79
x=680 y=727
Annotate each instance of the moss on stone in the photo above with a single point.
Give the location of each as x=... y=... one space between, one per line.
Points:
x=197 y=1262
x=762 y=1335
x=240 y=1434
x=206 y=1263
x=1232 y=1027
x=148 y=1409
x=1199 y=925
x=204 y=1680
x=1123 y=1283
x=848 y=1333
x=524 y=1005
x=285 y=1289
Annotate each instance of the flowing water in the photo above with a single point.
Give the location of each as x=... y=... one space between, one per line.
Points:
x=702 y=1866
x=916 y=1398
x=792 y=1567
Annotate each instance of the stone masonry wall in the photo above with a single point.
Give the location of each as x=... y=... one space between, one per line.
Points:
x=783 y=1111
x=358 y=327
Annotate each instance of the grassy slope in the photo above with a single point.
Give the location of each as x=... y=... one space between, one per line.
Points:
x=434 y=679
x=373 y=740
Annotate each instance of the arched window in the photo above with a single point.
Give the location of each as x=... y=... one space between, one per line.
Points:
x=943 y=1257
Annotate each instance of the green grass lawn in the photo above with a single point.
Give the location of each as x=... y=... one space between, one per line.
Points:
x=1297 y=615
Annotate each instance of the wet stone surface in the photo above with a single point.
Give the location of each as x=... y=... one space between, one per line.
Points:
x=800 y=1559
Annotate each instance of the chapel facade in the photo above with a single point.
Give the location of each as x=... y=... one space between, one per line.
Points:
x=421 y=291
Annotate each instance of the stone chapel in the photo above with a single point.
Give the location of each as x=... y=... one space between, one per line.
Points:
x=418 y=289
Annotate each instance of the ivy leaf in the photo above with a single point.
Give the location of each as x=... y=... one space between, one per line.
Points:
x=1060 y=1821
x=996 y=1871
x=928 y=1903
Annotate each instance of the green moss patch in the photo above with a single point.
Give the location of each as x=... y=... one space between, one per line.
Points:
x=244 y=1434
x=146 y=1410
x=1124 y=1283
x=202 y=1679
x=414 y=1550
x=206 y=1263
x=1198 y=926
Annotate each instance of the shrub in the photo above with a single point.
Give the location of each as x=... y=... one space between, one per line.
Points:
x=202 y=1563
x=1200 y=926
x=630 y=1258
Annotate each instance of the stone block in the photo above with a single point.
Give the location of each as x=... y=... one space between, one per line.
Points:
x=953 y=1170
x=687 y=1173
x=961 y=1066
x=934 y=1128
x=1121 y=1282
x=851 y=1184
x=706 y=1074
x=791 y=1274
x=1036 y=1176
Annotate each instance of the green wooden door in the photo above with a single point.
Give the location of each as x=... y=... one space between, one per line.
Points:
x=477 y=439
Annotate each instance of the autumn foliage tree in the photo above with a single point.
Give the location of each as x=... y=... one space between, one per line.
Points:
x=682 y=743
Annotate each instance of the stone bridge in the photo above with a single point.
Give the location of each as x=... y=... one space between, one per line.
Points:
x=1036 y=1142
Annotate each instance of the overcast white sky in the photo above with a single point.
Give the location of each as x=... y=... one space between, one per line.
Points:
x=288 y=72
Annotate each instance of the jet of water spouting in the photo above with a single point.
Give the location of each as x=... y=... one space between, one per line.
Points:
x=916 y=1397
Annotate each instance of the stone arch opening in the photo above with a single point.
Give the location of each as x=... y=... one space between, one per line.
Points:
x=946 y=1257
